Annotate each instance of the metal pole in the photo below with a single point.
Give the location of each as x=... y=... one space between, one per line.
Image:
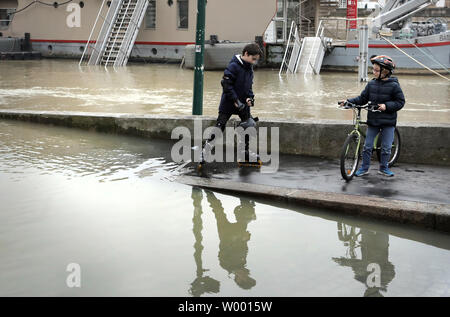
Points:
x=285 y=20
x=197 y=106
x=363 y=52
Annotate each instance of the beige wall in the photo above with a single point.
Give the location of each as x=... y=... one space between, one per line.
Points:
x=45 y=22
x=239 y=20
x=235 y=20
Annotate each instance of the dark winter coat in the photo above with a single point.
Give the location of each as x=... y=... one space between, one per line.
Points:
x=239 y=85
x=382 y=91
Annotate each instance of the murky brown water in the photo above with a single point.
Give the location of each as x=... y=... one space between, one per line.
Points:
x=167 y=89
x=110 y=204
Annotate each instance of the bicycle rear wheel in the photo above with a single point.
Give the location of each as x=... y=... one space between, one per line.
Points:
x=395 y=150
x=350 y=156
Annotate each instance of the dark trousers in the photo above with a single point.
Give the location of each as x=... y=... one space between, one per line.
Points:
x=387 y=137
x=223 y=118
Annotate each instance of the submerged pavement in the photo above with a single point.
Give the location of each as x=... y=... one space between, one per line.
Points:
x=417 y=194
x=413 y=182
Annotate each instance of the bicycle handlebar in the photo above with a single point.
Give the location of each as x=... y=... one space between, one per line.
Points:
x=369 y=106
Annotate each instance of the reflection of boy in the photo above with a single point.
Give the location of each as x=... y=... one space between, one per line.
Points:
x=374 y=250
x=233 y=238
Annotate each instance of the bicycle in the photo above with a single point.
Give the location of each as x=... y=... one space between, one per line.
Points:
x=351 y=152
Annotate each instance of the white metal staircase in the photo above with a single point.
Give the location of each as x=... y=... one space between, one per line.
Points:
x=118 y=33
x=305 y=57
x=311 y=57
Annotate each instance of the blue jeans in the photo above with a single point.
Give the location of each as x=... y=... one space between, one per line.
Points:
x=387 y=137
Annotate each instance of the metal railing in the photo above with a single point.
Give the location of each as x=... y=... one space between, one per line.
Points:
x=105 y=31
x=319 y=34
x=93 y=49
x=139 y=13
x=118 y=29
x=292 y=45
x=336 y=28
x=88 y=43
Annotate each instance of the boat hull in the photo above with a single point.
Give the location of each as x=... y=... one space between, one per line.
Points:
x=432 y=51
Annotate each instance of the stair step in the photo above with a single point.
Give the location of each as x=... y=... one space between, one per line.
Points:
x=122 y=31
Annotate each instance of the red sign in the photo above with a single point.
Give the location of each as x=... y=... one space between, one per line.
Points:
x=352 y=13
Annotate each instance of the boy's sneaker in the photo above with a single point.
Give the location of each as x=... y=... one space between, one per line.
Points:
x=202 y=158
x=361 y=172
x=386 y=172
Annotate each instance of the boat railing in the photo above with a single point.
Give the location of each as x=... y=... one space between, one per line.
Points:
x=305 y=25
x=337 y=29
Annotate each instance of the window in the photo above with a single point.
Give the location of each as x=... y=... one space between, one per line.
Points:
x=6 y=16
x=150 y=16
x=280 y=8
x=279 y=25
x=183 y=14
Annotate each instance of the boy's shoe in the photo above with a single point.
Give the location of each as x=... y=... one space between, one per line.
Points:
x=361 y=172
x=251 y=159
x=202 y=158
x=206 y=150
x=386 y=172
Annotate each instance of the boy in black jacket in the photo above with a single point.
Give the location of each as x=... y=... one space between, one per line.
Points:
x=385 y=91
x=237 y=96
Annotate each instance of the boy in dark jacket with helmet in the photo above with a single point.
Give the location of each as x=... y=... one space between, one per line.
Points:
x=237 y=96
x=385 y=91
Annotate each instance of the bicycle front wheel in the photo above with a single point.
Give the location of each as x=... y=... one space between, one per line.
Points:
x=350 y=156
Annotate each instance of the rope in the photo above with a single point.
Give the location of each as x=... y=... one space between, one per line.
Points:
x=30 y=4
x=431 y=70
x=37 y=1
x=430 y=55
x=51 y=4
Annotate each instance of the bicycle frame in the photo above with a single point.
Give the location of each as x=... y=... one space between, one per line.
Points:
x=352 y=151
x=357 y=129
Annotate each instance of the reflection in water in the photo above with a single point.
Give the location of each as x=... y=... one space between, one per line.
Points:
x=234 y=237
x=374 y=247
x=48 y=220
x=201 y=284
x=233 y=248
x=77 y=153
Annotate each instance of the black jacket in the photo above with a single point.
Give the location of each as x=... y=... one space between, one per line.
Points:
x=240 y=74
x=382 y=91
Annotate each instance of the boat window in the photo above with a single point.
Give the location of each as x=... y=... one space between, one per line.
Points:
x=150 y=16
x=183 y=14
x=280 y=30
x=280 y=8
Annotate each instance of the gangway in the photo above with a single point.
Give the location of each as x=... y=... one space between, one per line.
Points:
x=117 y=35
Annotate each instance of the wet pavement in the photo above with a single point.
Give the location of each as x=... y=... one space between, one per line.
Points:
x=412 y=182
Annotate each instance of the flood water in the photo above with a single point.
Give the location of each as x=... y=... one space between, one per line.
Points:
x=111 y=205
x=167 y=89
